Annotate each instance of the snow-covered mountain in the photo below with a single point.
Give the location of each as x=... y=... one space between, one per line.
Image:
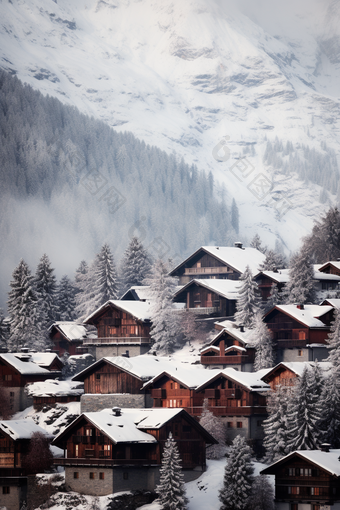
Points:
x=188 y=75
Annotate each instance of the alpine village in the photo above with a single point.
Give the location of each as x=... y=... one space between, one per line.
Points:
x=128 y=384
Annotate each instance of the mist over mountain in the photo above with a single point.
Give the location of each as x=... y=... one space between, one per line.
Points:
x=213 y=80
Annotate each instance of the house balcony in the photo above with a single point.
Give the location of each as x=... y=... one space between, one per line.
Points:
x=226 y=360
x=104 y=462
x=289 y=344
x=206 y=270
x=200 y=310
x=228 y=411
x=109 y=340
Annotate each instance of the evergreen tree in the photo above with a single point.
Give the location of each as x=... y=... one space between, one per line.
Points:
x=264 y=350
x=86 y=301
x=45 y=287
x=105 y=277
x=22 y=309
x=276 y=425
x=304 y=414
x=238 y=477
x=235 y=217
x=66 y=300
x=165 y=330
x=256 y=243
x=323 y=243
x=274 y=299
x=171 y=488
x=4 y=332
x=329 y=424
x=262 y=494
x=273 y=261
x=248 y=303
x=135 y=265
x=333 y=341
x=216 y=428
x=300 y=288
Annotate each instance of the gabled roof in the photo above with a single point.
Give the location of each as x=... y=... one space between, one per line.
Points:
x=297 y=367
x=52 y=387
x=309 y=316
x=130 y=425
x=137 y=293
x=189 y=378
x=23 y=367
x=21 y=429
x=279 y=276
x=335 y=263
x=250 y=380
x=140 y=310
x=70 y=330
x=44 y=359
x=237 y=258
x=329 y=461
x=225 y=288
x=230 y=327
x=331 y=302
x=143 y=367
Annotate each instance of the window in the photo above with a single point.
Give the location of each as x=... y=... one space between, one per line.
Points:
x=7 y=377
x=291 y=472
x=302 y=335
x=300 y=352
x=97 y=376
x=306 y=472
x=259 y=423
x=293 y=490
x=239 y=424
x=11 y=393
x=92 y=476
x=101 y=476
x=186 y=428
x=76 y=474
x=230 y=424
x=315 y=491
x=5 y=490
x=316 y=507
x=125 y=475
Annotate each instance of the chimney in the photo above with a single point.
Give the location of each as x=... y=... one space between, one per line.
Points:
x=241 y=328
x=25 y=358
x=24 y=349
x=116 y=411
x=275 y=270
x=300 y=307
x=238 y=245
x=325 y=447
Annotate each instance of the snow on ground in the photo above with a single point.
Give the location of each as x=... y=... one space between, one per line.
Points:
x=52 y=419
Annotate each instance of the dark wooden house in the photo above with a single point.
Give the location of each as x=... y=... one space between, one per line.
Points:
x=121 y=449
x=285 y=374
x=218 y=262
x=123 y=328
x=331 y=267
x=266 y=279
x=307 y=480
x=67 y=336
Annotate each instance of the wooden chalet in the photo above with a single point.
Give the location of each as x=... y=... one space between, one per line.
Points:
x=121 y=449
x=123 y=329
x=300 y=331
x=285 y=374
x=231 y=347
x=307 y=480
x=331 y=267
x=15 y=438
x=67 y=337
x=218 y=262
x=266 y=279
x=49 y=393
x=213 y=298
x=17 y=370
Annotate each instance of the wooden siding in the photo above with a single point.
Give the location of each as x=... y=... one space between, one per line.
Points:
x=110 y=379
x=116 y=323
x=281 y=377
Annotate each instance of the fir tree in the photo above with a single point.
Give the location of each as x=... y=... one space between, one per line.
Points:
x=323 y=243
x=165 y=331
x=300 y=288
x=329 y=424
x=235 y=217
x=262 y=338
x=22 y=309
x=105 y=277
x=135 y=265
x=45 y=288
x=262 y=494
x=248 y=303
x=333 y=341
x=273 y=261
x=257 y=244
x=66 y=300
x=238 y=477
x=274 y=299
x=304 y=414
x=216 y=428
x=4 y=332
x=276 y=425
x=171 y=488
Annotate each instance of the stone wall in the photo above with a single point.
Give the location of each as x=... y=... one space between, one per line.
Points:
x=18 y=398
x=16 y=496
x=100 y=485
x=90 y=403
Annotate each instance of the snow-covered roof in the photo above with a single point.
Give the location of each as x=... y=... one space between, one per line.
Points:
x=141 y=293
x=280 y=276
x=191 y=378
x=250 y=380
x=329 y=461
x=297 y=367
x=309 y=315
x=237 y=258
x=332 y=302
x=52 y=387
x=225 y=288
x=210 y=348
x=143 y=367
x=235 y=347
x=326 y=276
x=43 y=359
x=70 y=330
x=335 y=263
x=23 y=367
x=141 y=310
x=234 y=330
x=21 y=429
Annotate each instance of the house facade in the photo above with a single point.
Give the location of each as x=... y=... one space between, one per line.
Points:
x=285 y=374
x=307 y=480
x=121 y=449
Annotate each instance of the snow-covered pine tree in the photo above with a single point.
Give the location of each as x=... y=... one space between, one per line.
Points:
x=273 y=261
x=165 y=330
x=171 y=488
x=333 y=341
x=315 y=379
x=135 y=266
x=262 y=494
x=276 y=425
x=329 y=424
x=304 y=414
x=66 y=300
x=45 y=288
x=216 y=428
x=275 y=298
x=257 y=244
x=4 y=332
x=300 y=288
x=22 y=309
x=323 y=243
x=262 y=339
x=105 y=275
x=235 y=217
x=238 y=477
x=248 y=303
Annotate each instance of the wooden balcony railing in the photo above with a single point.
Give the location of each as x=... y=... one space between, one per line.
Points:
x=104 y=462
x=131 y=340
x=207 y=270
x=228 y=411
x=226 y=360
